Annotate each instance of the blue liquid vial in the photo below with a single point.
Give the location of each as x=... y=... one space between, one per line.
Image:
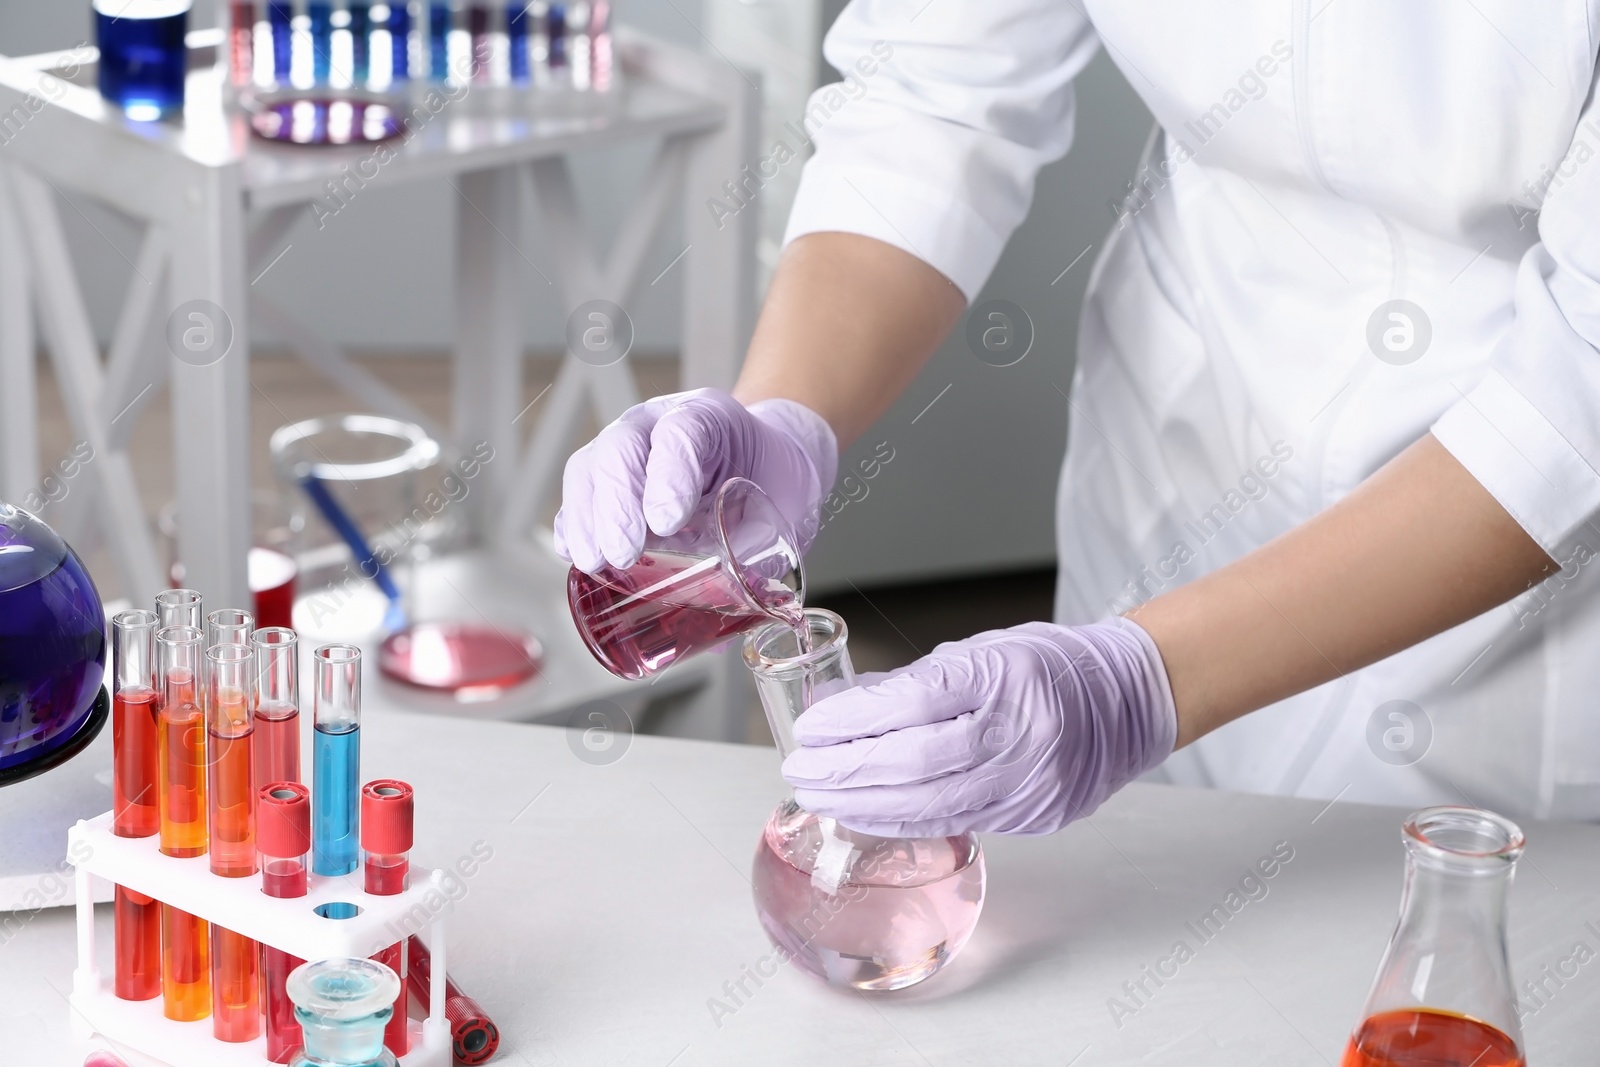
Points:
x=439 y=42
x=335 y=793
x=400 y=35
x=517 y=17
x=142 y=56
x=360 y=28
x=336 y=759
x=280 y=18
x=320 y=15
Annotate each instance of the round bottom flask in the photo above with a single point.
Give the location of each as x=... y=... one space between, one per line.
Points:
x=851 y=908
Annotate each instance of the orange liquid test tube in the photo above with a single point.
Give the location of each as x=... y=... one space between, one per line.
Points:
x=135 y=785
x=181 y=752
x=230 y=709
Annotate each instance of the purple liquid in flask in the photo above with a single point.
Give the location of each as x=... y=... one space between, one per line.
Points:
x=52 y=644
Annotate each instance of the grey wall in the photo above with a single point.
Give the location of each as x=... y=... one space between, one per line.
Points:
x=972 y=483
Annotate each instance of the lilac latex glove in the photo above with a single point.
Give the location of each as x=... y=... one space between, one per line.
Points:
x=652 y=466
x=1012 y=731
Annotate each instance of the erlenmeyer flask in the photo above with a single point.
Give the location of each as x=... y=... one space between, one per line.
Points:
x=1443 y=996
x=852 y=909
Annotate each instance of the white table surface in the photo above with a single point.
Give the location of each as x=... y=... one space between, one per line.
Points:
x=616 y=905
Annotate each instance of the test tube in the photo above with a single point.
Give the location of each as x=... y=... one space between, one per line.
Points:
x=179 y=607
x=230 y=729
x=241 y=34
x=387 y=808
x=277 y=742
x=556 y=20
x=473 y=1035
x=438 y=40
x=320 y=16
x=181 y=757
x=135 y=789
x=399 y=39
x=280 y=24
x=600 y=48
x=517 y=17
x=283 y=834
x=478 y=33
x=336 y=758
x=360 y=51
x=229 y=626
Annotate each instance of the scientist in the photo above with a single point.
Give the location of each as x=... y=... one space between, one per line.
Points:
x=1360 y=263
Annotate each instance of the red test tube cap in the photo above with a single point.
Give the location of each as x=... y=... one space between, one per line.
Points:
x=283 y=820
x=387 y=807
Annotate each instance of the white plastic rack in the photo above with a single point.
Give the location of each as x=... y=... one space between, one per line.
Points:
x=295 y=926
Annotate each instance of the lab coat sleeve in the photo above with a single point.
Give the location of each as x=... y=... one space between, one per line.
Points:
x=947 y=111
x=1529 y=430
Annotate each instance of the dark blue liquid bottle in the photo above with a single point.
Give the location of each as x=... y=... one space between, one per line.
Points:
x=279 y=14
x=52 y=640
x=142 y=59
x=558 y=36
x=517 y=41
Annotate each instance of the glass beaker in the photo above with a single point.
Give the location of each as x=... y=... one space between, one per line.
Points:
x=734 y=565
x=270 y=567
x=372 y=468
x=851 y=908
x=342 y=1006
x=1443 y=996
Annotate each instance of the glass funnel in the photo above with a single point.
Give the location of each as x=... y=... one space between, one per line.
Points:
x=851 y=908
x=1443 y=995
x=734 y=565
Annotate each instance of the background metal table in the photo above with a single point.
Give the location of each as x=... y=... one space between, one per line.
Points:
x=612 y=917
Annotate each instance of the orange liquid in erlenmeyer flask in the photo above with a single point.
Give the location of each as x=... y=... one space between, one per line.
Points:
x=1429 y=1039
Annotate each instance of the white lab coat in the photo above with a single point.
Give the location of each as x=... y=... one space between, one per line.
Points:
x=1314 y=159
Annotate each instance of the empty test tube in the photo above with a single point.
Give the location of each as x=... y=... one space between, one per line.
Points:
x=179 y=607
x=336 y=758
x=387 y=808
x=135 y=787
x=283 y=834
x=229 y=626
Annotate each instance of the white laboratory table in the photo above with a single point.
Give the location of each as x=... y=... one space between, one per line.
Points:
x=614 y=907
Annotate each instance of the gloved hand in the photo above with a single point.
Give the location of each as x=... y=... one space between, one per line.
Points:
x=654 y=464
x=1012 y=731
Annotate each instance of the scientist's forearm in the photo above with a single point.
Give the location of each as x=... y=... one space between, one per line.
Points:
x=1416 y=549
x=847 y=323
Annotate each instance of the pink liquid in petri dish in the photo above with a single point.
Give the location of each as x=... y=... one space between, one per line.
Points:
x=664 y=608
x=466 y=660
x=903 y=908
x=271 y=575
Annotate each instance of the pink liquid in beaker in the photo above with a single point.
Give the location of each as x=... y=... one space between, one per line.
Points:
x=666 y=607
x=862 y=911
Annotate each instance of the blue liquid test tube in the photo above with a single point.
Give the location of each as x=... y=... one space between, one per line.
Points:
x=438 y=42
x=517 y=17
x=280 y=17
x=400 y=39
x=320 y=13
x=360 y=29
x=336 y=759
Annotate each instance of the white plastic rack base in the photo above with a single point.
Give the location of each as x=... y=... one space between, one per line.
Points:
x=238 y=904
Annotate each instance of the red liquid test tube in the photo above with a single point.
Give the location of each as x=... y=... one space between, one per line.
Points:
x=136 y=785
x=181 y=744
x=387 y=810
x=283 y=834
x=277 y=743
x=473 y=1035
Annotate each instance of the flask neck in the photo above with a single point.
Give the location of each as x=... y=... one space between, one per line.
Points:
x=788 y=679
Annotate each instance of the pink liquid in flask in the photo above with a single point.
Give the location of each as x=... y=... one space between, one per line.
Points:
x=884 y=914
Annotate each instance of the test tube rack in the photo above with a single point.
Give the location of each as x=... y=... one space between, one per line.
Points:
x=293 y=925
